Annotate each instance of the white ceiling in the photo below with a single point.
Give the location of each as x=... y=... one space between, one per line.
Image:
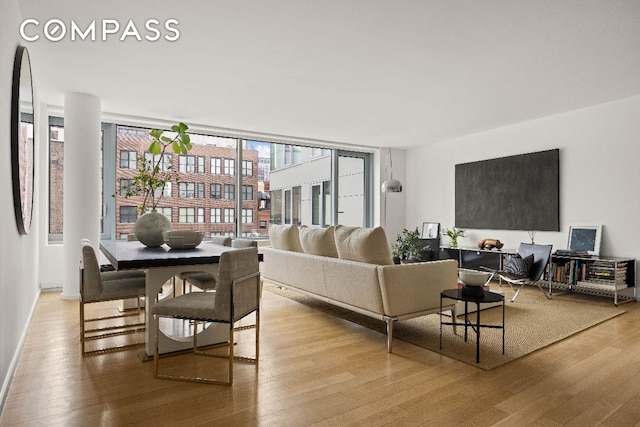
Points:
x=366 y=72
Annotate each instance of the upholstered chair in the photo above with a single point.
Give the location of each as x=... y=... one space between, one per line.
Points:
x=244 y=243
x=200 y=279
x=97 y=286
x=237 y=295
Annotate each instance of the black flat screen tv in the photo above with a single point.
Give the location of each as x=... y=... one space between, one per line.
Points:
x=520 y=192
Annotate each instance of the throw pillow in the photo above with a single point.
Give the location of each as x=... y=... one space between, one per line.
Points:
x=285 y=237
x=318 y=241
x=519 y=266
x=368 y=245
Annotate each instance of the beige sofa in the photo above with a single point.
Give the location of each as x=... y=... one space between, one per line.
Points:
x=352 y=267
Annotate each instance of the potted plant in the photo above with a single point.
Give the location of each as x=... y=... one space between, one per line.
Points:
x=409 y=248
x=151 y=179
x=453 y=234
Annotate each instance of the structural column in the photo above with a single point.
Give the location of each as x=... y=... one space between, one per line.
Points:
x=82 y=184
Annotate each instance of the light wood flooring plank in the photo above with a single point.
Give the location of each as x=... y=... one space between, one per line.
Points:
x=316 y=369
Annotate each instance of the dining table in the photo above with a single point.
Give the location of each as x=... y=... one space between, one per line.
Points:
x=162 y=264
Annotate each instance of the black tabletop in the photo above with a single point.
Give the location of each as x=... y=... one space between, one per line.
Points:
x=124 y=255
x=488 y=296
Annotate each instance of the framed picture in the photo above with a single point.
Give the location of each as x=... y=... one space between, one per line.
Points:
x=585 y=238
x=430 y=230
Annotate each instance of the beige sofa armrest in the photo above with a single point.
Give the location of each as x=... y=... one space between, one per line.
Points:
x=411 y=288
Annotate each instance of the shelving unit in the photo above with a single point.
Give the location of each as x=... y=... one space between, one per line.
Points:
x=606 y=276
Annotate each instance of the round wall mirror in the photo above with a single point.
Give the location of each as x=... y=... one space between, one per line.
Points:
x=22 y=140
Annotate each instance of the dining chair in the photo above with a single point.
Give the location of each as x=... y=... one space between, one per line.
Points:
x=200 y=279
x=244 y=243
x=101 y=286
x=207 y=281
x=237 y=296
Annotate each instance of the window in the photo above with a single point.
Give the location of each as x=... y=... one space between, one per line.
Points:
x=187 y=164
x=247 y=216
x=187 y=190
x=285 y=155
x=326 y=188
x=316 y=203
x=229 y=191
x=296 y=205
x=276 y=207
x=124 y=186
x=320 y=204
x=229 y=166
x=287 y=206
x=291 y=204
x=128 y=159
x=319 y=152
x=108 y=217
x=166 y=211
x=216 y=191
x=56 y=169
x=229 y=215
x=267 y=171
x=165 y=163
x=166 y=192
x=128 y=214
x=216 y=215
x=216 y=166
x=247 y=192
x=264 y=201
x=187 y=215
x=247 y=168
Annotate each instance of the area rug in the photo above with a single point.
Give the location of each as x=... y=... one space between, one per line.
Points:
x=531 y=323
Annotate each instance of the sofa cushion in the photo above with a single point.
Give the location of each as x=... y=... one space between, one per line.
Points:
x=318 y=241
x=285 y=237
x=363 y=244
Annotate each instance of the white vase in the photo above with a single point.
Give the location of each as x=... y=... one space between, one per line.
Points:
x=149 y=228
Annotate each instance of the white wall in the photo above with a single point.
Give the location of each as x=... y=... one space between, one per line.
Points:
x=599 y=174
x=18 y=254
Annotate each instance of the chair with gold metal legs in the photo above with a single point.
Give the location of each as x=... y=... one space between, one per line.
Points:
x=98 y=286
x=200 y=279
x=206 y=281
x=237 y=295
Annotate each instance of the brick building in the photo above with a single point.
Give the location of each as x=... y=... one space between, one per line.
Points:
x=205 y=197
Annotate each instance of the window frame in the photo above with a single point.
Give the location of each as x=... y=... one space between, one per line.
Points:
x=226 y=165
x=186 y=163
x=129 y=210
x=187 y=190
x=130 y=153
x=186 y=212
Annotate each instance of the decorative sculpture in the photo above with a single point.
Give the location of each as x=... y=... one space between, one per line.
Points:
x=490 y=244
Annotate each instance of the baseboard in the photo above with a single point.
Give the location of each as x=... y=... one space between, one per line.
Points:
x=6 y=383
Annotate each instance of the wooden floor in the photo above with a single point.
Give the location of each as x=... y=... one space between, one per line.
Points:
x=316 y=369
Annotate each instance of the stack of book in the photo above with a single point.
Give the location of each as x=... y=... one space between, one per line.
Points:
x=604 y=275
x=571 y=252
